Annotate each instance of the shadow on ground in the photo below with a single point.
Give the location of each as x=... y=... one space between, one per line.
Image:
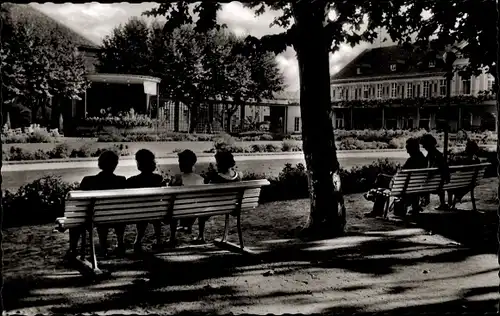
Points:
x=363 y=272
x=475 y=230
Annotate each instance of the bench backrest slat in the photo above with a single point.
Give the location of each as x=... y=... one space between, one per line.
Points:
x=148 y=204
x=429 y=180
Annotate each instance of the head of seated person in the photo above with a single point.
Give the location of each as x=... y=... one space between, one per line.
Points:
x=145 y=160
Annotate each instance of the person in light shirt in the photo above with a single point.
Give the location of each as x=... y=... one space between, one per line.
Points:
x=187 y=161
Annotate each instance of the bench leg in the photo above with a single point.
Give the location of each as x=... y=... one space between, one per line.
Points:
x=238 y=226
x=173 y=230
x=83 y=244
x=387 y=205
x=93 y=256
x=473 y=200
x=226 y=228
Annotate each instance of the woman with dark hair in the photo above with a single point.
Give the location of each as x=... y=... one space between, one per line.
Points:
x=436 y=159
x=104 y=180
x=470 y=158
x=187 y=160
x=225 y=173
x=146 y=164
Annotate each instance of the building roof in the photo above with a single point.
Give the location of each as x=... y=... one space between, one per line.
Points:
x=376 y=62
x=122 y=78
x=25 y=12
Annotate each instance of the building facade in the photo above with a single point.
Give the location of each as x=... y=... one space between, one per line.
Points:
x=392 y=88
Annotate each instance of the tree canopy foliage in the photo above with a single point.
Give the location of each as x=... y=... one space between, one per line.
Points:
x=38 y=64
x=195 y=68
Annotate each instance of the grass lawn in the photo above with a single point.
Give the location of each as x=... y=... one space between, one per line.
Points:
x=355 y=274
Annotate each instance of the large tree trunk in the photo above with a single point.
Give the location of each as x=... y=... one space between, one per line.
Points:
x=325 y=219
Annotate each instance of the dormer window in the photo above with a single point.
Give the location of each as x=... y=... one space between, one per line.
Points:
x=358 y=71
x=393 y=67
x=432 y=64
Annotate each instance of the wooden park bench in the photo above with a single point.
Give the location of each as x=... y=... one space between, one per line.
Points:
x=127 y=206
x=421 y=181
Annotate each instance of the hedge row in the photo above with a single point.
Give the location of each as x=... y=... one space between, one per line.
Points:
x=353 y=139
x=61 y=151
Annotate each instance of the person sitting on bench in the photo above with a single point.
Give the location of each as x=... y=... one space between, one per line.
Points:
x=187 y=160
x=416 y=160
x=146 y=164
x=105 y=180
x=225 y=174
x=436 y=160
x=470 y=158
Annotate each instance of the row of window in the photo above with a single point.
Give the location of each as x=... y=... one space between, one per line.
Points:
x=401 y=90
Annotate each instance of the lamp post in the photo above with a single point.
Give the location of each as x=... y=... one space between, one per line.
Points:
x=449 y=58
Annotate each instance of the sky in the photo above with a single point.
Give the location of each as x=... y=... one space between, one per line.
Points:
x=95 y=21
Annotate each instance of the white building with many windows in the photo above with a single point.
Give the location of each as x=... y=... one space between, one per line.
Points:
x=390 y=87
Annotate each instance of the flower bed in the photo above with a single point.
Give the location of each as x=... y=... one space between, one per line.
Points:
x=32 y=134
x=122 y=120
x=61 y=151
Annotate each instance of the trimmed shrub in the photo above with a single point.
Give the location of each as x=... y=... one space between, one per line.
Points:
x=356 y=144
x=14 y=139
x=38 y=202
x=258 y=148
x=292 y=183
x=272 y=148
x=110 y=138
x=290 y=146
x=398 y=143
x=266 y=137
x=83 y=152
x=40 y=136
x=60 y=151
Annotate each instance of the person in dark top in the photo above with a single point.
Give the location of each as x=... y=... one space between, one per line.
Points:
x=225 y=173
x=187 y=160
x=416 y=160
x=469 y=158
x=436 y=159
x=146 y=164
x=104 y=180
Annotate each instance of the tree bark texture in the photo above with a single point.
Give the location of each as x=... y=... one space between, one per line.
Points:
x=325 y=218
